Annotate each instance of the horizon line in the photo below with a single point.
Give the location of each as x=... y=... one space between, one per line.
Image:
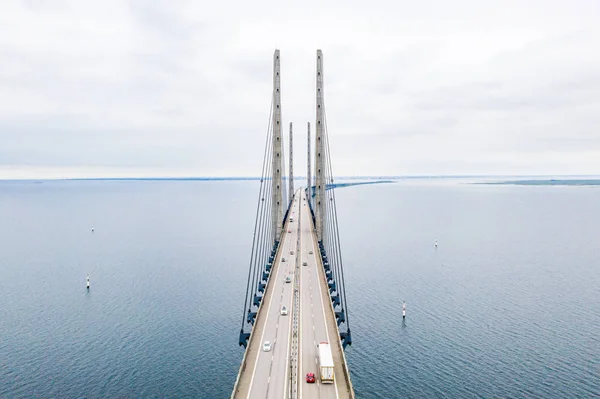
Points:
x=216 y=178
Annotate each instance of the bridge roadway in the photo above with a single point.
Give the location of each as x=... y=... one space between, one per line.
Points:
x=266 y=374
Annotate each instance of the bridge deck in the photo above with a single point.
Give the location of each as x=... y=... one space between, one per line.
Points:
x=266 y=374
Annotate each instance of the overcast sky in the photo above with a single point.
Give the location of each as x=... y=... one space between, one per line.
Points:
x=183 y=88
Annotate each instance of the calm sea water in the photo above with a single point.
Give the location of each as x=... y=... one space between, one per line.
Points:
x=507 y=306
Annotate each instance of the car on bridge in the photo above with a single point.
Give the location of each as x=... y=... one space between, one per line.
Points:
x=283 y=259
x=310 y=378
x=288 y=279
x=267 y=346
x=304 y=264
x=284 y=311
x=291 y=252
x=310 y=252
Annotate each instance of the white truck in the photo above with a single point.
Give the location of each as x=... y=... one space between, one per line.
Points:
x=325 y=362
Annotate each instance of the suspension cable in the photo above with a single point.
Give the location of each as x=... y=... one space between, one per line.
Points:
x=258 y=206
x=337 y=231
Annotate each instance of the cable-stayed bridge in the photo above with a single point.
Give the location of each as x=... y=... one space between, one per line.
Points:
x=295 y=318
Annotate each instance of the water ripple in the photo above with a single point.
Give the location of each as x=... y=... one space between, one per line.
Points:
x=505 y=307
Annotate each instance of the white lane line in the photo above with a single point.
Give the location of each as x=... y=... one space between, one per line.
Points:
x=299 y=349
x=303 y=272
x=325 y=322
x=262 y=336
x=289 y=341
x=300 y=339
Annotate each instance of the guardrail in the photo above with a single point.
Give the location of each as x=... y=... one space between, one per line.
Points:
x=344 y=365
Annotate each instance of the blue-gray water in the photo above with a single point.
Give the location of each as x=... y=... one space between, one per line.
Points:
x=507 y=306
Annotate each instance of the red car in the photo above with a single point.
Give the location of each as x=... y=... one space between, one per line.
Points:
x=310 y=378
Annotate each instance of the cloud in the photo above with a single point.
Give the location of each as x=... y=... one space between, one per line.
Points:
x=184 y=87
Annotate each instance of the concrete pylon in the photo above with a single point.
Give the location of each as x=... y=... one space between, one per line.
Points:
x=320 y=154
x=291 y=166
x=308 y=176
x=276 y=204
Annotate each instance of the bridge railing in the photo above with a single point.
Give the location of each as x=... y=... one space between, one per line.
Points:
x=331 y=308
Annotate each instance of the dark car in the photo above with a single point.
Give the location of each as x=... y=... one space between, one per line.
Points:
x=310 y=378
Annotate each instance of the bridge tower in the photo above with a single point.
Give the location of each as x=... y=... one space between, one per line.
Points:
x=277 y=206
x=291 y=166
x=308 y=176
x=319 y=154
x=323 y=261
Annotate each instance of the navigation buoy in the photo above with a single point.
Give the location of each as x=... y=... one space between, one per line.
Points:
x=88 y=282
x=403 y=310
x=92 y=229
x=436 y=243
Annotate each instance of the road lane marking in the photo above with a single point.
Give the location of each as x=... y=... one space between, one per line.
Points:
x=262 y=336
x=299 y=349
x=288 y=357
x=325 y=322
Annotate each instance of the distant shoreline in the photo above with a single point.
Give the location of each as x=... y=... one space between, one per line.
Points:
x=550 y=182
x=526 y=179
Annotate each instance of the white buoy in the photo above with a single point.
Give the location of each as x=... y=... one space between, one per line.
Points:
x=436 y=243
x=92 y=229
x=403 y=310
x=88 y=282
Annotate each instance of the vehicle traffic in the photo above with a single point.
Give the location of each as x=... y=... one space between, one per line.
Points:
x=325 y=362
x=267 y=346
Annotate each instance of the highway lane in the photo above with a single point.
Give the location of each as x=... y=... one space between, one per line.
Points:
x=270 y=371
x=313 y=327
x=270 y=378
